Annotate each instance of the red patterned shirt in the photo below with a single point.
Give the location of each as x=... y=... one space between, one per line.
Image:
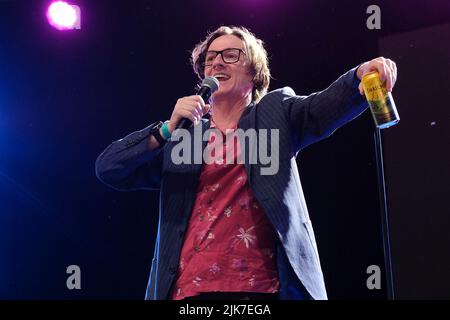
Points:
x=229 y=244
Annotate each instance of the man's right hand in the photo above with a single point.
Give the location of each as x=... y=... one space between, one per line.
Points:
x=190 y=107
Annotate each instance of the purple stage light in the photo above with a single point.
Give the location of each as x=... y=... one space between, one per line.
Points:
x=64 y=16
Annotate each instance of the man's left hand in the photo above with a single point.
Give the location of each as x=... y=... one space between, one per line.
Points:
x=385 y=67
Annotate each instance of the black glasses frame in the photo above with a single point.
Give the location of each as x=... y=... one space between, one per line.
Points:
x=221 y=54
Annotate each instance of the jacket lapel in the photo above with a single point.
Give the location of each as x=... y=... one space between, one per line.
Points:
x=247 y=121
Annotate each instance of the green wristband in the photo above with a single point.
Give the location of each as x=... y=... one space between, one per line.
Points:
x=165 y=130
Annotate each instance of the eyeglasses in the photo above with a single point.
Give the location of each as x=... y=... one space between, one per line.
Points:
x=230 y=55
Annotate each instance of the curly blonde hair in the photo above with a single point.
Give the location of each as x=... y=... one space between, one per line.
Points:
x=255 y=51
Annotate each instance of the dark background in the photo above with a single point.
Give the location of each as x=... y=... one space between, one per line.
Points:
x=64 y=96
x=417 y=159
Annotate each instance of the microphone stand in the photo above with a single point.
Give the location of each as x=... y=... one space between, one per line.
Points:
x=384 y=215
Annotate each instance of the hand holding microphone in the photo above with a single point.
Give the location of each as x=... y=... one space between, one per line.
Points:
x=191 y=109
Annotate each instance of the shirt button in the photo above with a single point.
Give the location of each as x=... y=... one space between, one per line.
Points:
x=201 y=218
x=197 y=249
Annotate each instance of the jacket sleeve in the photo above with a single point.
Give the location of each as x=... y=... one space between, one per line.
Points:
x=128 y=164
x=315 y=117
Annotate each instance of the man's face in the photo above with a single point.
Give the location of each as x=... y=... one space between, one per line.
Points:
x=235 y=78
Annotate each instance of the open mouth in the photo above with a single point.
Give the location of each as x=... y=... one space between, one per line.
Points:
x=222 y=77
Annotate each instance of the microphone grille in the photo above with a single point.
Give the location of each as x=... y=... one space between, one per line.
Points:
x=212 y=83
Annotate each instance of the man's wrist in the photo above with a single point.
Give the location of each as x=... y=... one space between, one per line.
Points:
x=360 y=71
x=156 y=133
x=165 y=130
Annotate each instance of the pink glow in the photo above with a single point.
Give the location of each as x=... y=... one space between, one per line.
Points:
x=63 y=16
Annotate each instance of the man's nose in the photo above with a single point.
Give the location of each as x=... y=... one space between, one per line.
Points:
x=218 y=61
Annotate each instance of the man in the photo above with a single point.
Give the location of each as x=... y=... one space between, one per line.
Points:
x=226 y=229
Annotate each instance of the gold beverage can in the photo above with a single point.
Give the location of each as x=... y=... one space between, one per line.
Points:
x=381 y=103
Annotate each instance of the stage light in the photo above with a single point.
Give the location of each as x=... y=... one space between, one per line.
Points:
x=64 y=16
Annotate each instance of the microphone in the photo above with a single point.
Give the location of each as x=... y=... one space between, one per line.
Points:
x=208 y=87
